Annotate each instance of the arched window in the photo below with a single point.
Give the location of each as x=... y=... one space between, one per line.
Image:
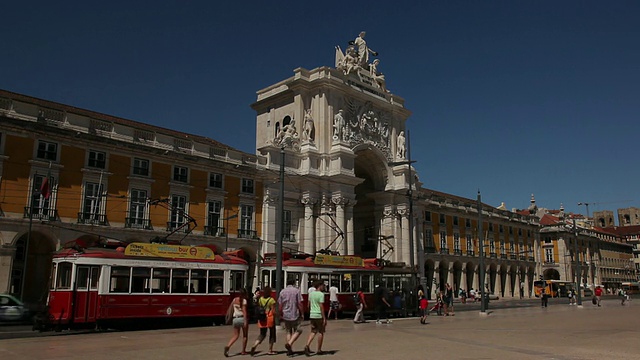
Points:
x=277 y=129
x=286 y=121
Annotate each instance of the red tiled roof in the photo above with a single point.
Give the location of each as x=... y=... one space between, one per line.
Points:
x=549 y=220
x=623 y=230
x=116 y=120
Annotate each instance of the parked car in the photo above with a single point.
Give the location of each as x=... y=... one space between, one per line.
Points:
x=12 y=309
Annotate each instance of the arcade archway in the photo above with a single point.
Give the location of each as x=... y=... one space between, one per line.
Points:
x=38 y=258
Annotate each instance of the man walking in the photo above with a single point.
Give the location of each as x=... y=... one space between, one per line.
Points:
x=317 y=317
x=334 y=304
x=380 y=295
x=598 y=294
x=292 y=312
x=361 y=304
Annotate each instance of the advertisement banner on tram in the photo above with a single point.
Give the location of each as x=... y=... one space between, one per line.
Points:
x=333 y=260
x=169 y=251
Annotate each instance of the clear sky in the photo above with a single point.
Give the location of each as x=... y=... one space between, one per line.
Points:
x=509 y=97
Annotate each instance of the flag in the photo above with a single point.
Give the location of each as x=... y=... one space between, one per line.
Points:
x=45 y=188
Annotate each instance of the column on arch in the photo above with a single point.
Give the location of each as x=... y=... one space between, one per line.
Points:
x=341 y=243
x=349 y=235
x=406 y=246
x=308 y=239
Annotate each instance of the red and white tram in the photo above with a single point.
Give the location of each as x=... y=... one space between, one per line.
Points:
x=347 y=273
x=102 y=286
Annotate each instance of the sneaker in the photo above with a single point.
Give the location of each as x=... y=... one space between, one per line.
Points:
x=226 y=351
x=307 y=351
x=289 y=349
x=253 y=351
x=378 y=322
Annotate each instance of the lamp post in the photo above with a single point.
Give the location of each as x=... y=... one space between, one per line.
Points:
x=483 y=304
x=35 y=194
x=577 y=271
x=226 y=232
x=280 y=232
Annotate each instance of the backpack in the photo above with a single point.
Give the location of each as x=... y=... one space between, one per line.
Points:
x=261 y=311
x=356 y=299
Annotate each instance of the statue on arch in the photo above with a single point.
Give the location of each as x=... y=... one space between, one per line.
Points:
x=400 y=142
x=338 y=125
x=377 y=76
x=363 y=50
x=308 y=132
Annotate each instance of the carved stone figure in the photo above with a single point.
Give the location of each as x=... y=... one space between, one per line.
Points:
x=400 y=145
x=287 y=135
x=363 y=50
x=338 y=125
x=308 y=132
x=350 y=62
x=378 y=77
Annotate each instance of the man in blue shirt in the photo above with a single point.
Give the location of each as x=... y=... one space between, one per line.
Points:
x=317 y=317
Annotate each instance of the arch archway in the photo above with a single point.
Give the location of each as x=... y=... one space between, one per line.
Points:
x=429 y=270
x=470 y=269
x=457 y=275
x=443 y=274
x=551 y=274
x=38 y=257
x=493 y=272
x=503 y=279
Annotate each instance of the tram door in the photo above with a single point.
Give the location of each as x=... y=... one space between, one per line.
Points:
x=85 y=298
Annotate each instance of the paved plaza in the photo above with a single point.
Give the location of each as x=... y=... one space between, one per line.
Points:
x=557 y=332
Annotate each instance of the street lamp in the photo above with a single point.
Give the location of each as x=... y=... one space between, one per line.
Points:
x=226 y=238
x=483 y=304
x=577 y=260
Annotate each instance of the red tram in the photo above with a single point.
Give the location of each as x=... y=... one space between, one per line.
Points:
x=142 y=282
x=347 y=273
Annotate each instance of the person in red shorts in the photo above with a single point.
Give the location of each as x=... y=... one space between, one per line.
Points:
x=424 y=304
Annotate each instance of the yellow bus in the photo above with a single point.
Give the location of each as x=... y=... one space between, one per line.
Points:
x=553 y=288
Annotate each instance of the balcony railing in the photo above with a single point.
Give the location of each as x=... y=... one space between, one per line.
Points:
x=214 y=230
x=247 y=234
x=531 y=258
x=493 y=255
x=457 y=252
x=92 y=219
x=471 y=253
x=430 y=249
x=513 y=256
x=503 y=256
x=137 y=223
x=45 y=214
x=444 y=251
x=522 y=257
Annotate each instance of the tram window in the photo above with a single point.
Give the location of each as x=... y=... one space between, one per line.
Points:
x=365 y=282
x=160 y=281
x=377 y=279
x=63 y=281
x=198 y=281
x=140 y=280
x=345 y=283
x=82 y=278
x=406 y=283
x=52 y=284
x=180 y=281
x=237 y=280
x=335 y=281
x=119 y=279
x=295 y=276
x=95 y=275
x=325 y=280
x=216 y=281
x=312 y=278
x=266 y=278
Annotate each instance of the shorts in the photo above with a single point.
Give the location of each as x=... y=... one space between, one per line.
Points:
x=238 y=322
x=292 y=326
x=317 y=326
x=335 y=305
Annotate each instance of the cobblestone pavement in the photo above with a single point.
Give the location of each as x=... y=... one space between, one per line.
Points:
x=557 y=332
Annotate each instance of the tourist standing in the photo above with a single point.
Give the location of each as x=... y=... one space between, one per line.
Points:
x=239 y=321
x=361 y=304
x=448 y=300
x=424 y=305
x=268 y=322
x=317 y=317
x=290 y=301
x=334 y=304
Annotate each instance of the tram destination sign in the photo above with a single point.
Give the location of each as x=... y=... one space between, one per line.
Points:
x=169 y=251
x=334 y=260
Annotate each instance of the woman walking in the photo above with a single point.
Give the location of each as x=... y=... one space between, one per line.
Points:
x=448 y=300
x=240 y=321
x=268 y=322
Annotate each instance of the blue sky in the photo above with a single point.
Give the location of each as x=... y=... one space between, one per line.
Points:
x=511 y=97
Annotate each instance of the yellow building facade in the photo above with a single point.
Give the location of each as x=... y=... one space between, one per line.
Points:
x=68 y=173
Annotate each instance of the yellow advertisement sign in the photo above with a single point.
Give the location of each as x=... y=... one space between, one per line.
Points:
x=169 y=251
x=333 y=260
